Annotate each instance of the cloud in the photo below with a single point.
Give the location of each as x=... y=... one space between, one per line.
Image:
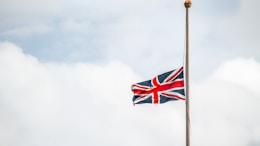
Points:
x=26 y=31
x=225 y=105
x=241 y=29
x=131 y=31
x=90 y=104
x=75 y=104
x=142 y=34
x=242 y=72
x=220 y=30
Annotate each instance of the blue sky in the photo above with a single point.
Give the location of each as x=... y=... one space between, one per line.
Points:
x=67 y=68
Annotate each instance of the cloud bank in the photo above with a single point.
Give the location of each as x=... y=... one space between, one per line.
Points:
x=90 y=104
x=226 y=105
x=73 y=104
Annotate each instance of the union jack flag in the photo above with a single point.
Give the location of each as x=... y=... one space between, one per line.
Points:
x=162 y=88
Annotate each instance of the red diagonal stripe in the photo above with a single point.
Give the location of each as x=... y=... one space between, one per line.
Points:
x=174 y=75
x=139 y=86
x=173 y=96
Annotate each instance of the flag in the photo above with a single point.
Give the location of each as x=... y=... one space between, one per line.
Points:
x=166 y=87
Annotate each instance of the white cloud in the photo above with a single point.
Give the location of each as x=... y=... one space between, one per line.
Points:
x=242 y=72
x=225 y=105
x=77 y=104
x=90 y=104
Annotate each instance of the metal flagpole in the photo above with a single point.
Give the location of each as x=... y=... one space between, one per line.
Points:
x=187 y=5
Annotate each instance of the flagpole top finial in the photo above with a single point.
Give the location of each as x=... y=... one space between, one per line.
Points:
x=187 y=4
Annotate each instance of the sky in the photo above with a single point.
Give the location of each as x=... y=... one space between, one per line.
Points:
x=66 y=70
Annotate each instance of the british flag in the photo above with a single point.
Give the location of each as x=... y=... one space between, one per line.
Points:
x=162 y=88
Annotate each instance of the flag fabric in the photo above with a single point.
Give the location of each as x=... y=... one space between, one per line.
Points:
x=166 y=87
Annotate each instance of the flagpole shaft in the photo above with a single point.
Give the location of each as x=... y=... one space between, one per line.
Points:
x=187 y=5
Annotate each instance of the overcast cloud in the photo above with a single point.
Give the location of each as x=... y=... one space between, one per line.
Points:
x=88 y=104
x=66 y=69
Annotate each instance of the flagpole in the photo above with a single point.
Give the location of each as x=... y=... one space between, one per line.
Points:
x=187 y=5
